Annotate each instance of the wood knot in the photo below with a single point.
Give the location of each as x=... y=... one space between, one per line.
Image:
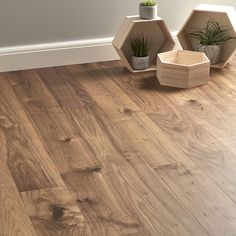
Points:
x=67 y=140
x=178 y=129
x=196 y=103
x=186 y=172
x=57 y=212
x=193 y=101
x=86 y=200
x=126 y=110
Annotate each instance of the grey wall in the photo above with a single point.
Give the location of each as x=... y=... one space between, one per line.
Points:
x=176 y=11
x=25 y=22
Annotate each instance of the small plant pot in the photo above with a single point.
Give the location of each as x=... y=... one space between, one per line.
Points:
x=147 y=12
x=140 y=63
x=213 y=52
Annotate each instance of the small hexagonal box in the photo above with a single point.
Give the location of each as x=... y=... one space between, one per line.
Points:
x=155 y=30
x=183 y=69
x=225 y=15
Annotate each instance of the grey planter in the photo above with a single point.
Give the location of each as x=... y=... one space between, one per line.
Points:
x=140 y=63
x=147 y=13
x=213 y=52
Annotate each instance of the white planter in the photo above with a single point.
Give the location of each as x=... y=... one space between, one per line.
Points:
x=213 y=52
x=140 y=63
x=147 y=13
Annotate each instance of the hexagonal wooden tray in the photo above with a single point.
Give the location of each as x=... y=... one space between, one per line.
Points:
x=182 y=69
x=155 y=30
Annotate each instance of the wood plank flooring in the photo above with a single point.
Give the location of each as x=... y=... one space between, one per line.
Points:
x=92 y=150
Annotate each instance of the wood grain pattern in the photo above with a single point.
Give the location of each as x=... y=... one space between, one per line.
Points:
x=202 y=198
x=29 y=164
x=92 y=150
x=102 y=84
x=14 y=218
x=80 y=166
x=213 y=155
x=64 y=144
x=136 y=173
x=53 y=211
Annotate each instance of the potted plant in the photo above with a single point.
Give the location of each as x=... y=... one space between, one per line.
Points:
x=210 y=40
x=148 y=9
x=140 y=47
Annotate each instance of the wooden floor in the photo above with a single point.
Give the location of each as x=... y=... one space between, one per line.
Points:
x=92 y=150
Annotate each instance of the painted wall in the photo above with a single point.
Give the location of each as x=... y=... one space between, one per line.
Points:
x=175 y=11
x=24 y=22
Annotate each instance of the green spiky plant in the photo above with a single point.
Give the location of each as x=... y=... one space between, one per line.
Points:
x=148 y=3
x=140 y=46
x=212 y=34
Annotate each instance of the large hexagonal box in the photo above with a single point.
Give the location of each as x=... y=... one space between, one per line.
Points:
x=225 y=15
x=155 y=30
x=183 y=69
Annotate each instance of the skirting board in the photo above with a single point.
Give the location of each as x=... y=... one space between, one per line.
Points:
x=57 y=54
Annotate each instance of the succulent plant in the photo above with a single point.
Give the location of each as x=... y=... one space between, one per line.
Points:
x=148 y=3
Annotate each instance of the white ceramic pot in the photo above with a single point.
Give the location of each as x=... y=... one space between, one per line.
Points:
x=147 y=13
x=213 y=52
x=140 y=63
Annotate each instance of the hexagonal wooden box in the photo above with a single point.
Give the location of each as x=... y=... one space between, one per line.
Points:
x=183 y=69
x=155 y=30
x=225 y=15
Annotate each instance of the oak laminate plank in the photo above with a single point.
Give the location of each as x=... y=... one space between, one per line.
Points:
x=63 y=142
x=104 y=148
x=106 y=210
x=23 y=152
x=214 y=156
x=76 y=92
x=107 y=87
x=53 y=212
x=102 y=208
x=210 y=206
x=205 y=112
x=142 y=133
x=135 y=172
x=220 y=168
x=32 y=93
x=222 y=93
x=120 y=109
x=131 y=186
x=13 y=215
x=115 y=139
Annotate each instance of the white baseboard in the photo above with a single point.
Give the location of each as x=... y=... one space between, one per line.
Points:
x=57 y=54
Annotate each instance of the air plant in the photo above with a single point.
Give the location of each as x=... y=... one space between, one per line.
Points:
x=212 y=34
